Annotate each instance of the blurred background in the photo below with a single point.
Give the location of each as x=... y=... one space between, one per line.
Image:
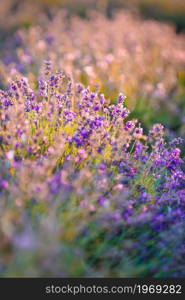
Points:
x=26 y=12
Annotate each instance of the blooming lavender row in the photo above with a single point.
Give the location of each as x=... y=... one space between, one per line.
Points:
x=84 y=191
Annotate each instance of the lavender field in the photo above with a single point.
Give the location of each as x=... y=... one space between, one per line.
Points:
x=92 y=151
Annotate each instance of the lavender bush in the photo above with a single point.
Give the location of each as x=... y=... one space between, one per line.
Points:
x=84 y=191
